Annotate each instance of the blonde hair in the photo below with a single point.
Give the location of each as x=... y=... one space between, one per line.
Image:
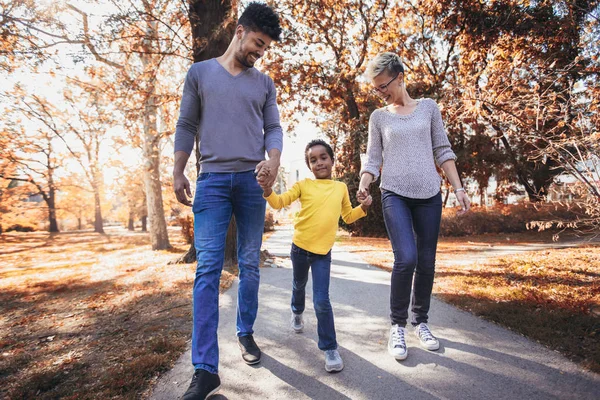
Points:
x=384 y=62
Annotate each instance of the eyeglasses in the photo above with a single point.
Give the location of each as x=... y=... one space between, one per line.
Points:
x=384 y=88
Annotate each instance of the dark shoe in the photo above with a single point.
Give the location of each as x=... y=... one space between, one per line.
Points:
x=250 y=351
x=204 y=384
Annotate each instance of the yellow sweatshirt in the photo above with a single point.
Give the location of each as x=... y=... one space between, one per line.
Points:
x=323 y=201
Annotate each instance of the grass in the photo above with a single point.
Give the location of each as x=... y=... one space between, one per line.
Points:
x=551 y=296
x=89 y=316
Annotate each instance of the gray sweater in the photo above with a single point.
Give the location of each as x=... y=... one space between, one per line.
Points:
x=406 y=148
x=236 y=117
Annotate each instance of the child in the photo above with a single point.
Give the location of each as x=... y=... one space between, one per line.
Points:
x=323 y=200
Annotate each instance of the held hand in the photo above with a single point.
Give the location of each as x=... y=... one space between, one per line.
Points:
x=463 y=200
x=366 y=201
x=261 y=177
x=266 y=172
x=362 y=194
x=182 y=189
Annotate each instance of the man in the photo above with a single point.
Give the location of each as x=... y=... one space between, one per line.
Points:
x=233 y=109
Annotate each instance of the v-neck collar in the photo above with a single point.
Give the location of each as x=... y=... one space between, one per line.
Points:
x=229 y=73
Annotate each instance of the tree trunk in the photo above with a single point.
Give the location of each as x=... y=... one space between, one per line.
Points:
x=213 y=25
x=144 y=224
x=446 y=196
x=52 y=219
x=231 y=259
x=159 y=237
x=79 y=227
x=98 y=225
x=130 y=226
x=521 y=171
x=96 y=186
x=51 y=201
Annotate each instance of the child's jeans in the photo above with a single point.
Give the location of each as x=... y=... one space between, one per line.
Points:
x=302 y=261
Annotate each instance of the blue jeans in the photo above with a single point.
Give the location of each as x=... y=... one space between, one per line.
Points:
x=413 y=226
x=218 y=196
x=320 y=265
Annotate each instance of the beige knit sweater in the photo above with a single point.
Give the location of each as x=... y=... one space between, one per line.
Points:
x=406 y=148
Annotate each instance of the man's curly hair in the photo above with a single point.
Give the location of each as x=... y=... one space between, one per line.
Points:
x=261 y=17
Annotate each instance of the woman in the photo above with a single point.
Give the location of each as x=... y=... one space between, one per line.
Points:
x=406 y=141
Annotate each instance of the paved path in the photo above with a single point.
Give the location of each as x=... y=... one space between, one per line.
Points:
x=477 y=359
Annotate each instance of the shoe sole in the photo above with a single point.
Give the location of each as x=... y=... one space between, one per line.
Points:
x=246 y=361
x=251 y=362
x=334 y=368
x=397 y=357
x=430 y=348
x=425 y=346
x=213 y=392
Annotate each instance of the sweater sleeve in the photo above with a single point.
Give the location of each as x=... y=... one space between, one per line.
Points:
x=374 y=150
x=189 y=114
x=278 y=201
x=442 y=151
x=349 y=214
x=272 y=126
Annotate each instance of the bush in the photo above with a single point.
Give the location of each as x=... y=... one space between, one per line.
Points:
x=187 y=227
x=479 y=220
x=503 y=218
x=269 y=222
x=21 y=227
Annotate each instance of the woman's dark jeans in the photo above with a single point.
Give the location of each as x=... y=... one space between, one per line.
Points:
x=413 y=226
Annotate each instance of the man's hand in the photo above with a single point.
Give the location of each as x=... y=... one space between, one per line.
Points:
x=181 y=184
x=267 y=172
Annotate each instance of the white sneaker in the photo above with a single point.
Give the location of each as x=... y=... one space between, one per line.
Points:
x=397 y=343
x=333 y=361
x=297 y=322
x=428 y=341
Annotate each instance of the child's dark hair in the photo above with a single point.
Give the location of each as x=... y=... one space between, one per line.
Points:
x=317 y=142
x=261 y=17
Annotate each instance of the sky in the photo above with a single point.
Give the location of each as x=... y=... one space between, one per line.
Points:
x=50 y=86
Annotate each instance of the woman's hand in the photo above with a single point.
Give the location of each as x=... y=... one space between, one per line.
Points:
x=363 y=187
x=463 y=200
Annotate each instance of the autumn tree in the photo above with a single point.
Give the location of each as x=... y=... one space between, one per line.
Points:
x=81 y=128
x=139 y=42
x=29 y=33
x=574 y=142
x=75 y=200
x=212 y=25
x=30 y=156
x=317 y=69
x=131 y=199
x=136 y=39
x=516 y=79
x=430 y=52
x=10 y=195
